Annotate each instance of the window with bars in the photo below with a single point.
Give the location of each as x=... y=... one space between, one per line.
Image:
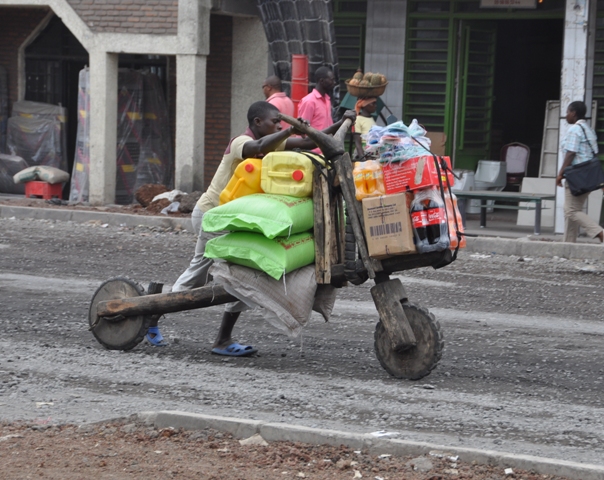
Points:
x=350 y=18
x=426 y=72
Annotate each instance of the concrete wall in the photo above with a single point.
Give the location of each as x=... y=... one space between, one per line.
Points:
x=385 y=47
x=573 y=82
x=132 y=16
x=218 y=93
x=250 y=66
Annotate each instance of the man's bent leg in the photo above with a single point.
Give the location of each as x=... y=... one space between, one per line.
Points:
x=226 y=329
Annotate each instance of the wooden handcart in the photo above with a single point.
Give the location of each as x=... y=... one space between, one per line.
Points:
x=408 y=339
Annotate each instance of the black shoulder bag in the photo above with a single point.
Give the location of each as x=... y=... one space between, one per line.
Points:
x=587 y=176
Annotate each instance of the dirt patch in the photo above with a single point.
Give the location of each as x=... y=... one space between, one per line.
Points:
x=133 y=450
x=157 y=206
x=145 y=194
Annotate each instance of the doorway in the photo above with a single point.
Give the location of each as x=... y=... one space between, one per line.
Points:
x=507 y=70
x=527 y=75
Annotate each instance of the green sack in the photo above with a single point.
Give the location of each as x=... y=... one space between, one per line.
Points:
x=275 y=257
x=271 y=215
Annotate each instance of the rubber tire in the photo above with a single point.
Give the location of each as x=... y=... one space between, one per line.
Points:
x=121 y=335
x=419 y=361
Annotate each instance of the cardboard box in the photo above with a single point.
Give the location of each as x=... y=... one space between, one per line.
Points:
x=413 y=174
x=388 y=225
x=438 y=141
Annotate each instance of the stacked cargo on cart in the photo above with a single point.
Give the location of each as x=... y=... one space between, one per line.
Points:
x=36 y=132
x=3 y=108
x=408 y=339
x=143 y=150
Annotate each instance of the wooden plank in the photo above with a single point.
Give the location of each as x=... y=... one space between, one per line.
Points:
x=319 y=228
x=166 y=302
x=333 y=252
x=341 y=218
x=387 y=297
x=327 y=230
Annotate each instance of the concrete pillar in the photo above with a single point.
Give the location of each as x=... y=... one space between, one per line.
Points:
x=385 y=48
x=250 y=62
x=190 y=122
x=573 y=83
x=103 y=126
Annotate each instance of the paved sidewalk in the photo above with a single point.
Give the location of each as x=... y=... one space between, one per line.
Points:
x=501 y=236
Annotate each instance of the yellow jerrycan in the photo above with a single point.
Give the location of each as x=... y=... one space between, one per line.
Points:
x=288 y=173
x=245 y=181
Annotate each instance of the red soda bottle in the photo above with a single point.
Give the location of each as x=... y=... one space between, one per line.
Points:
x=419 y=222
x=436 y=227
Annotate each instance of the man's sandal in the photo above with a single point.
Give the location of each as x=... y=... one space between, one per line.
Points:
x=235 y=350
x=157 y=340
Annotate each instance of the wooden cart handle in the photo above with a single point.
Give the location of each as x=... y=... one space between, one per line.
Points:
x=329 y=145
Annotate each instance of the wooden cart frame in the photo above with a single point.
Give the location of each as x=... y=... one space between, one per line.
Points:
x=408 y=339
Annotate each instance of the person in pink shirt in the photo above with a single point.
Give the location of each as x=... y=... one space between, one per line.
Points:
x=274 y=95
x=316 y=106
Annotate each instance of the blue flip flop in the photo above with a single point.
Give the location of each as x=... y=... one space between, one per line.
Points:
x=157 y=340
x=235 y=350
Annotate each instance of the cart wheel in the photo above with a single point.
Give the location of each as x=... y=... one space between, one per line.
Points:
x=122 y=334
x=419 y=361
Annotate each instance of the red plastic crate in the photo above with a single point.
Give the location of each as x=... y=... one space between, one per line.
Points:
x=43 y=189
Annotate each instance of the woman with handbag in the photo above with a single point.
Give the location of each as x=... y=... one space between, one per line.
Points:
x=579 y=145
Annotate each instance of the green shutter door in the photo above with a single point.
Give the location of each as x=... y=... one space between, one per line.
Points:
x=349 y=18
x=475 y=93
x=427 y=73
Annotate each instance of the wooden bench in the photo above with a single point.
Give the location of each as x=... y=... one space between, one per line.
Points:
x=484 y=195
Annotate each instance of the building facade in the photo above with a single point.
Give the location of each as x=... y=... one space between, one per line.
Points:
x=483 y=72
x=212 y=57
x=480 y=71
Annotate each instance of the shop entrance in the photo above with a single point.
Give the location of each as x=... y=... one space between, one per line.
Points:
x=506 y=72
x=527 y=74
x=482 y=76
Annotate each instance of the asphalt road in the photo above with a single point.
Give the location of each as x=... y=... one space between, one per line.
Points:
x=522 y=370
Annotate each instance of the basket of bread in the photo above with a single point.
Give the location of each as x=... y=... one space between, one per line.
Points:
x=366 y=84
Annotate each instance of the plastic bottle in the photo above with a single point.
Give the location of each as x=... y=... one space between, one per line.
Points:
x=436 y=216
x=436 y=228
x=245 y=181
x=429 y=221
x=288 y=173
x=452 y=232
x=419 y=222
x=358 y=173
x=369 y=172
x=453 y=214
